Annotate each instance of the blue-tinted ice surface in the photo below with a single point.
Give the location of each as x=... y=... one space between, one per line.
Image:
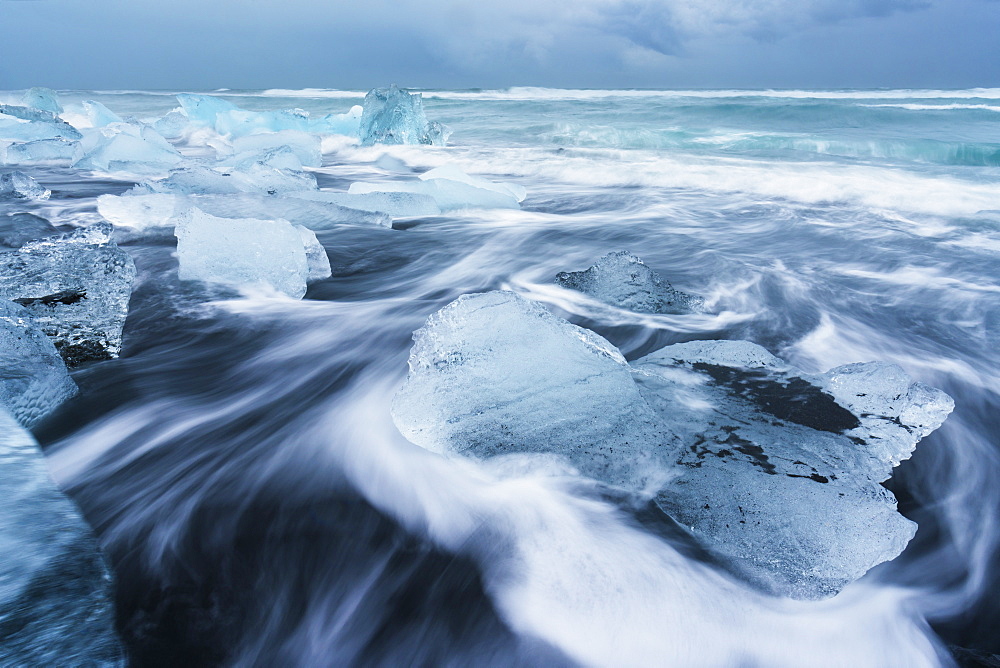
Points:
x=41 y=150
x=76 y=287
x=18 y=185
x=26 y=124
x=496 y=374
x=228 y=119
x=395 y=116
x=99 y=115
x=251 y=177
x=245 y=252
x=42 y=98
x=449 y=195
x=621 y=279
x=33 y=378
x=124 y=147
x=776 y=470
x=55 y=590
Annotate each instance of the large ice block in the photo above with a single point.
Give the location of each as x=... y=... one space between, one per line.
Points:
x=42 y=98
x=17 y=229
x=394 y=204
x=781 y=469
x=775 y=470
x=306 y=147
x=56 y=606
x=621 y=279
x=243 y=252
x=395 y=116
x=252 y=177
x=449 y=195
x=99 y=115
x=124 y=147
x=42 y=150
x=33 y=378
x=155 y=212
x=228 y=119
x=76 y=287
x=26 y=124
x=453 y=173
x=18 y=185
x=496 y=374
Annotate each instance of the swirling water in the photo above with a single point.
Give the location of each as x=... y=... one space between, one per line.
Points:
x=243 y=473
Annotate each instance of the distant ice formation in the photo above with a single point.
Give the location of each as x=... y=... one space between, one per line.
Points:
x=395 y=116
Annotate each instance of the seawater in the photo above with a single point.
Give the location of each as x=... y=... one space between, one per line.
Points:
x=258 y=506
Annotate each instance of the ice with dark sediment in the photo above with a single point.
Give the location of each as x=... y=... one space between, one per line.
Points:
x=27 y=124
x=781 y=470
x=125 y=147
x=76 y=287
x=155 y=214
x=495 y=374
x=245 y=252
x=20 y=186
x=41 y=150
x=56 y=605
x=775 y=470
x=33 y=378
x=44 y=99
x=621 y=279
x=395 y=116
x=17 y=229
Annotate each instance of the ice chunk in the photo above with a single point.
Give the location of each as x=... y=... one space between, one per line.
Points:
x=76 y=287
x=781 y=470
x=42 y=98
x=621 y=279
x=18 y=185
x=448 y=194
x=17 y=229
x=453 y=173
x=316 y=258
x=282 y=158
x=252 y=177
x=33 y=378
x=99 y=115
x=154 y=212
x=395 y=116
x=55 y=589
x=242 y=252
x=306 y=147
x=394 y=204
x=496 y=374
x=42 y=150
x=26 y=124
x=203 y=109
x=172 y=124
x=123 y=147
x=228 y=119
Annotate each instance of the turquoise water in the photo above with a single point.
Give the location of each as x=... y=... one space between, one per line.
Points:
x=244 y=474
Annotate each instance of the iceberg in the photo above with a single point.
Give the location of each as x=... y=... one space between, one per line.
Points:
x=393 y=204
x=26 y=124
x=18 y=185
x=17 y=229
x=242 y=252
x=252 y=177
x=776 y=471
x=781 y=469
x=33 y=378
x=305 y=147
x=395 y=116
x=56 y=603
x=123 y=147
x=621 y=279
x=453 y=173
x=155 y=213
x=496 y=374
x=44 y=99
x=99 y=115
x=449 y=195
x=76 y=287
x=41 y=150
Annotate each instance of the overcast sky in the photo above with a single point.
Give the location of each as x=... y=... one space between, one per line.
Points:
x=207 y=44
